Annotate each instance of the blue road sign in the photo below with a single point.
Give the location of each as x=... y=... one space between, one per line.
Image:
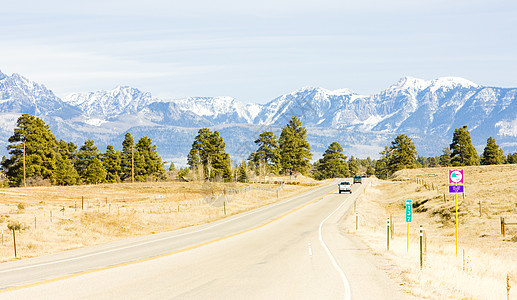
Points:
x=409 y=211
x=456 y=189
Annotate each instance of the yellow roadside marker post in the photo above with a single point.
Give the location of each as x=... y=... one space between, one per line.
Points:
x=456 y=186
x=409 y=218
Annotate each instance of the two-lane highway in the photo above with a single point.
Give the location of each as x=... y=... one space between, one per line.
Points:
x=291 y=249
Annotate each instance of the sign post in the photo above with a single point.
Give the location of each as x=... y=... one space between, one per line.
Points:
x=456 y=178
x=409 y=218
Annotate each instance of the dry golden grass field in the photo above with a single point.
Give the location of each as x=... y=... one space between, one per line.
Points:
x=485 y=257
x=59 y=218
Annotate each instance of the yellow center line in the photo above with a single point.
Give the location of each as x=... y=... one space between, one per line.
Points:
x=14 y=288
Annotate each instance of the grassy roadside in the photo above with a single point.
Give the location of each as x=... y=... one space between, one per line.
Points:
x=484 y=258
x=54 y=219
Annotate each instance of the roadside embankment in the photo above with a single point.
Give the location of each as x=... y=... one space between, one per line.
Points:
x=485 y=257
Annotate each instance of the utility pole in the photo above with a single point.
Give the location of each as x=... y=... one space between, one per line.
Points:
x=132 y=163
x=24 y=174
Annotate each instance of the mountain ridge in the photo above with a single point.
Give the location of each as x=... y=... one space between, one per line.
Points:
x=426 y=110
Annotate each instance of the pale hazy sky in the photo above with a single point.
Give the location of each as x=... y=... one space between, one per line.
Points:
x=255 y=51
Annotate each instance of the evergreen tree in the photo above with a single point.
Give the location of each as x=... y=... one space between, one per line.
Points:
x=127 y=157
x=333 y=163
x=197 y=155
x=112 y=162
x=95 y=172
x=208 y=151
x=369 y=170
x=353 y=166
x=84 y=157
x=267 y=153
x=40 y=151
x=512 y=158
x=402 y=154
x=463 y=152
x=139 y=165
x=295 y=151
x=172 y=167
x=492 y=155
x=433 y=162
x=217 y=158
x=445 y=158
x=183 y=172
x=67 y=150
x=422 y=162
x=381 y=166
x=65 y=173
x=242 y=175
x=152 y=163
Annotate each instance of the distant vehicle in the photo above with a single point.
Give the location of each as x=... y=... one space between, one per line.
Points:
x=345 y=186
x=357 y=179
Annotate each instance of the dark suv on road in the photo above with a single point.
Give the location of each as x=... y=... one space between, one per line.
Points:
x=357 y=179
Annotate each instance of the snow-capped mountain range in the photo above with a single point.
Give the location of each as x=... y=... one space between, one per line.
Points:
x=426 y=110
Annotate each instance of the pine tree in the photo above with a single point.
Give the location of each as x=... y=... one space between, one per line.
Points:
x=208 y=152
x=242 y=175
x=267 y=153
x=127 y=157
x=511 y=158
x=197 y=155
x=139 y=166
x=152 y=163
x=445 y=158
x=40 y=151
x=217 y=157
x=295 y=151
x=333 y=163
x=422 y=162
x=370 y=170
x=402 y=154
x=381 y=166
x=95 y=172
x=353 y=166
x=67 y=150
x=463 y=152
x=112 y=162
x=492 y=155
x=433 y=162
x=65 y=173
x=84 y=157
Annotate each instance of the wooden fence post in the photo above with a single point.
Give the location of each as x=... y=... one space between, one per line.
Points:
x=392 y=227
x=14 y=242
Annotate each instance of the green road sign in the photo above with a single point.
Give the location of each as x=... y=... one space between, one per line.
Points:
x=409 y=211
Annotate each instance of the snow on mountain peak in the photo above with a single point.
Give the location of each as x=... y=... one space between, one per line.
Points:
x=451 y=82
x=407 y=83
x=110 y=103
x=213 y=107
x=322 y=91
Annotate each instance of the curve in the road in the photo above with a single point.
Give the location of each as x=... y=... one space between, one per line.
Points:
x=347 y=295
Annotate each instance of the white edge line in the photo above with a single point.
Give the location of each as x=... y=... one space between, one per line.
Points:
x=154 y=240
x=347 y=295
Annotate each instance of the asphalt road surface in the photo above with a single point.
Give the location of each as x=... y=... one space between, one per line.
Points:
x=289 y=250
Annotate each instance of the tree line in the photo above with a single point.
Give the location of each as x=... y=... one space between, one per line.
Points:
x=402 y=154
x=36 y=155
